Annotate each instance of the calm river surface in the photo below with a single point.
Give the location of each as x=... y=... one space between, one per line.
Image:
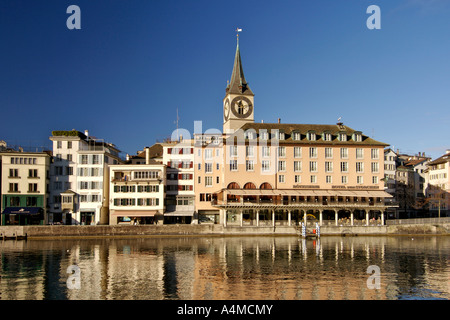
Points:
x=229 y=268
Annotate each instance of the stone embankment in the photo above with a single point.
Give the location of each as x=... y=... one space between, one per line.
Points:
x=45 y=232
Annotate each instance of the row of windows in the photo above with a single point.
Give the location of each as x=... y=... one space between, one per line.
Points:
x=312 y=152
x=14 y=187
x=438 y=176
x=29 y=202
x=297 y=136
x=147 y=188
x=14 y=173
x=23 y=160
x=313 y=166
x=133 y=202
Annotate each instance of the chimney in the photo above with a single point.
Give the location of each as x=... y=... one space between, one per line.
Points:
x=262 y=121
x=86 y=133
x=279 y=120
x=447 y=151
x=128 y=157
x=147 y=155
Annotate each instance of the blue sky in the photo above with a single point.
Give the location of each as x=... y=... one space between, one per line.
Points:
x=133 y=63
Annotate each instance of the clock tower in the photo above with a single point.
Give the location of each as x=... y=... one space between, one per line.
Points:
x=238 y=102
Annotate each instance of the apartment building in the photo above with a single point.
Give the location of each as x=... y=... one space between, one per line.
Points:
x=268 y=173
x=438 y=187
x=79 y=178
x=136 y=193
x=24 y=187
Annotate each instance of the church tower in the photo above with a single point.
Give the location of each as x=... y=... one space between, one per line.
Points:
x=238 y=102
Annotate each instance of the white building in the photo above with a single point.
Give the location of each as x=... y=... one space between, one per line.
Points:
x=79 y=181
x=438 y=186
x=136 y=193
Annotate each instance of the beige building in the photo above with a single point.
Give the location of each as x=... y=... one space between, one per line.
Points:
x=276 y=173
x=24 y=181
x=438 y=188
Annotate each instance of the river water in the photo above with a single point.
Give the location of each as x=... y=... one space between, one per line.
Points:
x=229 y=268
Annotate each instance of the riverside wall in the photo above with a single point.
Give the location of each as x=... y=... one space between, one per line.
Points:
x=106 y=231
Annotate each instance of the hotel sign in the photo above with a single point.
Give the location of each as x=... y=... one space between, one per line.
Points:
x=355 y=187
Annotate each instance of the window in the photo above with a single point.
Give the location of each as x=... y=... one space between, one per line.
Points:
x=359 y=166
x=296 y=136
x=233 y=165
x=328 y=179
x=32 y=187
x=359 y=153
x=209 y=166
x=357 y=137
x=58 y=144
x=327 y=136
x=13 y=187
x=249 y=165
x=266 y=152
x=297 y=179
x=281 y=152
x=265 y=165
x=69 y=144
x=281 y=178
x=14 y=202
x=329 y=153
x=313 y=152
x=95 y=159
x=313 y=179
x=375 y=179
x=84 y=159
x=281 y=166
x=311 y=136
x=374 y=153
x=297 y=166
x=31 y=201
x=312 y=166
x=344 y=166
x=344 y=153
x=342 y=136
x=375 y=167
x=250 y=151
x=208 y=181
x=69 y=157
x=344 y=179
x=69 y=171
x=297 y=152
x=359 y=179
x=233 y=151
x=264 y=135
x=281 y=135
x=32 y=173
x=328 y=166
x=208 y=154
x=14 y=173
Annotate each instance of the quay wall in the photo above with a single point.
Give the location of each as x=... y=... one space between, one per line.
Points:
x=107 y=231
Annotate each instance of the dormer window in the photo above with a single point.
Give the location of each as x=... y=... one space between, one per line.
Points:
x=357 y=136
x=296 y=136
x=264 y=135
x=327 y=136
x=342 y=136
x=280 y=135
x=311 y=135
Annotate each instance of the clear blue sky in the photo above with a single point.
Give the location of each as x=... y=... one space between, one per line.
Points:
x=133 y=63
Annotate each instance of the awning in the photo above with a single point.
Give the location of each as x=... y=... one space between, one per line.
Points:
x=179 y=214
x=309 y=192
x=135 y=213
x=22 y=210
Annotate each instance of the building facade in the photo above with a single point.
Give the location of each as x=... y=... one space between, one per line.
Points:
x=79 y=178
x=438 y=186
x=269 y=173
x=24 y=187
x=136 y=193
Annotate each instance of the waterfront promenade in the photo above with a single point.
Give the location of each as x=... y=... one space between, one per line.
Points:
x=396 y=227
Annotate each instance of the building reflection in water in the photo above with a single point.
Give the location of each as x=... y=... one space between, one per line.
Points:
x=228 y=268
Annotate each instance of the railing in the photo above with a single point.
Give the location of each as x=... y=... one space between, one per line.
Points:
x=419 y=221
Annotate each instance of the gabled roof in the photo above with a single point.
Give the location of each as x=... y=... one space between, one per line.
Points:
x=443 y=159
x=318 y=129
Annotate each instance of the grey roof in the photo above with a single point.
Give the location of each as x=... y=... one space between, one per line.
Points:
x=238 y=84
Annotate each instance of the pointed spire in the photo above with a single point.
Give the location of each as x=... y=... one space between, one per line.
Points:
x=238 y=84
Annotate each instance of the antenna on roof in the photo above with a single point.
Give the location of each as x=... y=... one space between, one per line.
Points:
x=176 y=121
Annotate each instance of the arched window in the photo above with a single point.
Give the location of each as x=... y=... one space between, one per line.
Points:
x=233 y=185
x=265 y=185
x=249 y=185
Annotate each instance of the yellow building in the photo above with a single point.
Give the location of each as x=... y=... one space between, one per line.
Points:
x=275 y=173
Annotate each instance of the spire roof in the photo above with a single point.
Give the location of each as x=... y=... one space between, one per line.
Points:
x=238 y=84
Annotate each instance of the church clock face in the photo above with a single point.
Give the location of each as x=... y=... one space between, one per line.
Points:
x=226 y=109
x=241 y=107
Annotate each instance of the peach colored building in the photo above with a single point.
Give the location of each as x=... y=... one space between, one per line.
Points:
x=276 y=173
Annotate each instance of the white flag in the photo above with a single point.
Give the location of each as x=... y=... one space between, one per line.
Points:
x=239 y=30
